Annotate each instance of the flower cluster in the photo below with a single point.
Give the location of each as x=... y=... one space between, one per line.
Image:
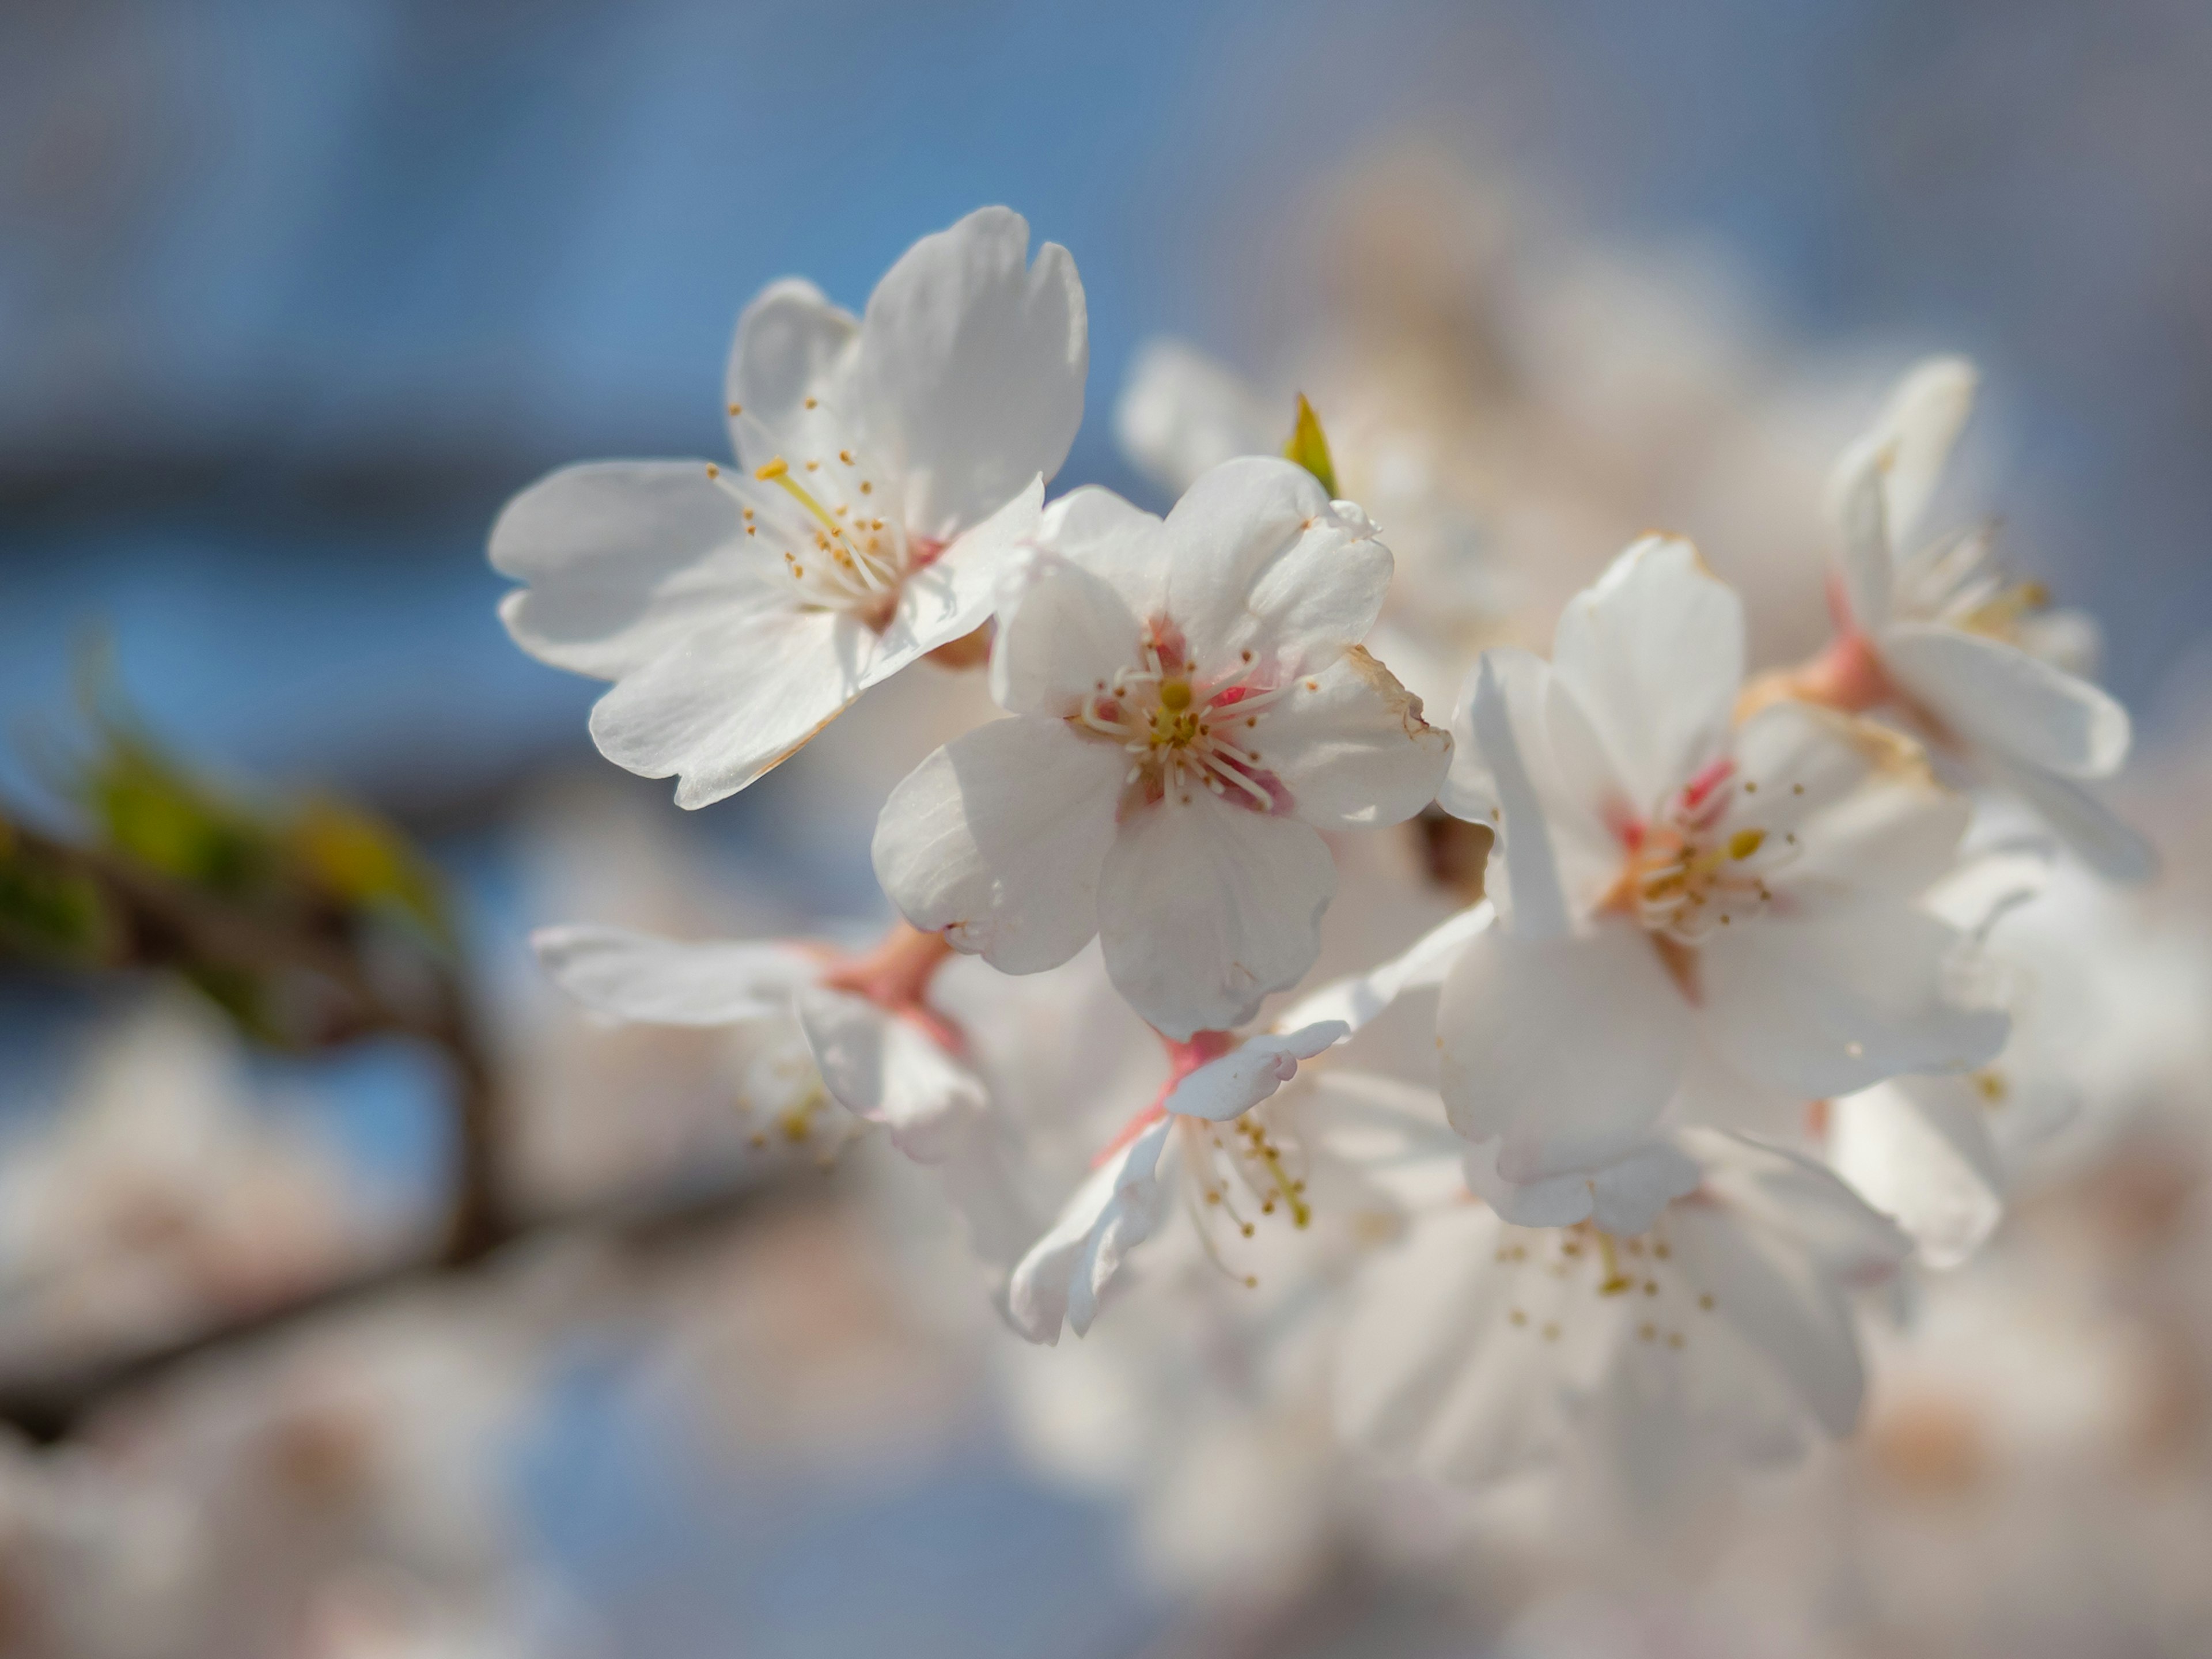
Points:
x=1590 y=1152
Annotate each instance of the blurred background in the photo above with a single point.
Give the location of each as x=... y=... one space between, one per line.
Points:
x=292 y=298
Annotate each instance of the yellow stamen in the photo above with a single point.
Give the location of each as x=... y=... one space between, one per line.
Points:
x=1745 y=842
x=1615 y=1281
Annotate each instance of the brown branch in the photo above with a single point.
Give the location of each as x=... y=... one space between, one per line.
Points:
x=50 y=1407
x=171 y=924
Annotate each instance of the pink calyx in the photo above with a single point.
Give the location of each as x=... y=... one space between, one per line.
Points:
x=1183 y=1059
x=896 y=975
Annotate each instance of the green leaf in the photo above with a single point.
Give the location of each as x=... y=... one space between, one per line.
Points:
x=49 y=915
x=366 y=864
x=1308 y=446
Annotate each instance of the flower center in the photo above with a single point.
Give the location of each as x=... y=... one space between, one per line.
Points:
x=1182 y=732
x=838 y=548
x=1699 y=865
x=1241 y=1172
x=1633 y=1280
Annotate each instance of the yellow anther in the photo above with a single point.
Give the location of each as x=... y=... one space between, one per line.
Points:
x=1745 y=842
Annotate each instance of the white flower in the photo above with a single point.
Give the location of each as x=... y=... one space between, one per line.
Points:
x=1126 y=1197
x=1984 y=669
x=877 y=1048
x=1181 y=412
x=1192 y=708
x=1481 y=1348
x=1682 y=902
x=888 y=460
x=1237 y=1150
x=1942 y=1155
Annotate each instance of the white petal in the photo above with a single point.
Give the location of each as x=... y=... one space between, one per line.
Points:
x=664 y=981
x=790 y=343
x=624 y=559
x=1232 y=1086
x=1358 y=998
x=1990 y=885
x=889 y=1071
x=1919 y=1149
x=1429 y=1371
x=1997 y=695
x=1801 y=1201
x=1063 y=633
x=1857 y=801
x=972 y=361
x=1257 y=558
x=1623 y=1197
x=735 y=697
x=1204 y=908
x=1780 y=1303
x=996 y=841
x=1567 y=1049
x=1180 y=412
x=1825 y=1005
x=1503 y=774
x=954 y=595
x=1353 y=749
x=2085 y=823
x=1919 y=427
x=1065 y=1271
x=1653 y=653
x=1865 y=561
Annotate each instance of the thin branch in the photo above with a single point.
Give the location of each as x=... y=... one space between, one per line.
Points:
x=170 y=924
x=50 y=1407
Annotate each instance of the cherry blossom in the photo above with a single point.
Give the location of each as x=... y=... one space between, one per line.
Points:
x=1722 y=1327
x=878 y=1049
x=886 y=462
x=1238 y=1151
x=1181 y=412
x=1980 y=665
x=1191 y=706
x=1684 y=904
